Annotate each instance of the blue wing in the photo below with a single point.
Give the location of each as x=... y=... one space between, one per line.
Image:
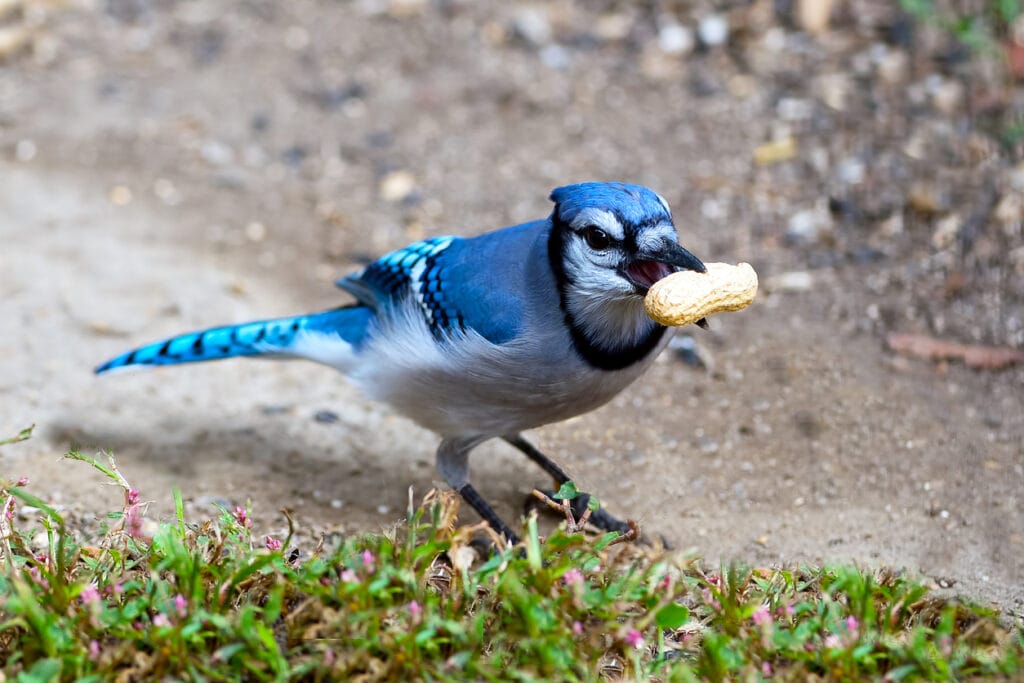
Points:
x=459 y=284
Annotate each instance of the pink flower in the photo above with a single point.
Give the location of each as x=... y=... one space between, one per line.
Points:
x=89 y=595
x=273 y=545
x=666 y=583
x=790 y=610
x=415 y=611
x=577 y=628
x=852 y=624
x=133 y=514
x=241 y=516
x=349 y=576
x=94 y=650
x=572 y=577
x=761 y=616
x=181 y=605
x=133 y=522
x=766 y=669
x=329 y=657
x=832 y=641
x=161 y=620
x=635 y=639
x=22 y=482
x=369 y=561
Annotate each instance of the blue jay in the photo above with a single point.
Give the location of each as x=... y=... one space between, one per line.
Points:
x=484 y=337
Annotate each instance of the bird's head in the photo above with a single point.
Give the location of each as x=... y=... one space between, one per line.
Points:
x=615 y=240
x=609 y=243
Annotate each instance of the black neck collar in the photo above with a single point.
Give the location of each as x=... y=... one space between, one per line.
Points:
x=600 y=357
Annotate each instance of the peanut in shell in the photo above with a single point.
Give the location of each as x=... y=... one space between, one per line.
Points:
x=687 y=296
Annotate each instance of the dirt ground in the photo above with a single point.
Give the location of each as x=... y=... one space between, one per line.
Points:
x=169 y=165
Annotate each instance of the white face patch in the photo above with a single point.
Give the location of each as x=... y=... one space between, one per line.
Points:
x=591 y=270
x=605 y=220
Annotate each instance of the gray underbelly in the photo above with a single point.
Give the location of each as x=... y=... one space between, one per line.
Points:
x=461 y=404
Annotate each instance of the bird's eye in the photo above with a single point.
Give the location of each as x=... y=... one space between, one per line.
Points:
x=596 y=238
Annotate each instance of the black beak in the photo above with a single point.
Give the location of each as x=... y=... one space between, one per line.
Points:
x=672 y=254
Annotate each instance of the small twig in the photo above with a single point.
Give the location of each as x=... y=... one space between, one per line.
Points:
x=291 y=527
x=630 y=536
x=547 y=500
x=6 y=530
x=586 y=517
x=573 y=525
x=117 y=476
x=497 y=540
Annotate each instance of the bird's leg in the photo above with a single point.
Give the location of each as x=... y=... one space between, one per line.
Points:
x=453 y=464
x=599 y=518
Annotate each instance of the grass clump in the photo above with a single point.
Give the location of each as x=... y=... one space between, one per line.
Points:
x=212 y=601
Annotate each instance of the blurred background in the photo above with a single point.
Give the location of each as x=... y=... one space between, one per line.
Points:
x=167 y=165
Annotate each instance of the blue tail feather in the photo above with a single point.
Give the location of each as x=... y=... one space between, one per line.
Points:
x=261 y=338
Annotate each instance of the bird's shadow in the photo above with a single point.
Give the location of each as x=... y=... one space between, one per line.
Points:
x=209 y=459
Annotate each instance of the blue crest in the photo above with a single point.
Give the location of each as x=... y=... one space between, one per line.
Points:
x=634 y=204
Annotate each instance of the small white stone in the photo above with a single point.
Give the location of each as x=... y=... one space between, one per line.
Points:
x=41 y=541
x=946 y=230
x=675 y=39
x=383 y=509
x=948 y=97
x=396 y=186
x=216 y=153
x=893 y=66
x=337 y=503
x=532 y=25
x=808 y=226
x=713 y=30
x=795 y=109
x=554 y=56
x=792 y=281
x=851 y=171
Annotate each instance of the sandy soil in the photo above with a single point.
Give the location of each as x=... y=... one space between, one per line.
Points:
x=173 y=165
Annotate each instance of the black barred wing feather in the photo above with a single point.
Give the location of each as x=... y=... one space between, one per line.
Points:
x=417 y=271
